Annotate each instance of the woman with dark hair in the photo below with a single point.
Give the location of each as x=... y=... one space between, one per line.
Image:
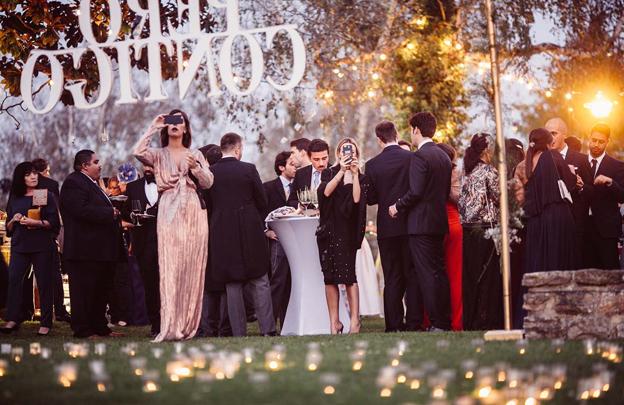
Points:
x=453 y=242
x=479 y=209
x=342 y=204
x=182 y=225
x=32 y=231
x=550 y=237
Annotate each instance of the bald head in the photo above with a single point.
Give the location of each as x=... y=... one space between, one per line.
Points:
x=559 y=130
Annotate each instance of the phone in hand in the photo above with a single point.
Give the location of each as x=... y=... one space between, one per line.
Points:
x=347 y=150
x=173 y=119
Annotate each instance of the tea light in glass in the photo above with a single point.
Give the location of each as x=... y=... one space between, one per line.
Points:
x=478 y=345
x=394 y=355
x=178 y=347
x=522 y=345
x=151 y=380
x=557 y=345
x=329 y=381
x=401 y=375
x=35 y=348
x=138 y=365
x=17 y=353
x=179 y=369
x=589 y=346
x=199 y=360
x=5 y=348
x=248 y=355
x=4 y=367
x=130 y=349
x=468 y=367
x=313 y=359
x=501 y=372
x=401 y=347
x=157 y=352
x=45 y=353
x=559 y=372
x=273 y=361
x=415 y=379
x=99 y=349
x=386 y=380
x=67 y=373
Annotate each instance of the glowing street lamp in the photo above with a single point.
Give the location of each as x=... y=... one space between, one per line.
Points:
x=600 y=106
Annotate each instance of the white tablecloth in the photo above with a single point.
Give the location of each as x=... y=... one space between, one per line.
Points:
x=307 y=312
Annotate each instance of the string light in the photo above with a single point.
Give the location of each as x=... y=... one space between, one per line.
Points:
x=410 y=89
x=568 y=96
x=411 y=46
x=383 y=57
x=600 y=106
x=548 y=94
x=376 y=76
x=420 y=22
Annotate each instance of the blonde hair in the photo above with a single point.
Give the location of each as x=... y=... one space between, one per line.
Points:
x=342 y=142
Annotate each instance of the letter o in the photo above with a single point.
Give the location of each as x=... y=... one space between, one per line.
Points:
x=84 y=21
x=225 y=64
x=55 y=89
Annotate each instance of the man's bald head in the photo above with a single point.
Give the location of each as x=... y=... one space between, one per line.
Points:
x=559 y=130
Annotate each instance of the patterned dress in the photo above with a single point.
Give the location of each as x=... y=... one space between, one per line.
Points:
x=182 y=230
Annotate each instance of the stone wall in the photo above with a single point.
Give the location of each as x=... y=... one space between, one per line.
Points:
x=574 y=304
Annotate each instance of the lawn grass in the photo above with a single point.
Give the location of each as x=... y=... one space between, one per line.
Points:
x=33 y=380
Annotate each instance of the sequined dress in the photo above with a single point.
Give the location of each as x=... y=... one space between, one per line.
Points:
x=182 y=229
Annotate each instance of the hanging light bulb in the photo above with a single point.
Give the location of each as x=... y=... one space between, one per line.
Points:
x=600 y=106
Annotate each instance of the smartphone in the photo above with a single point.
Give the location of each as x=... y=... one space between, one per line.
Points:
x=173 y=119
x=347 y=150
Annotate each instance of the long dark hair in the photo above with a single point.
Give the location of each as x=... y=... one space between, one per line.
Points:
x=472 y=157
x=18 y=185
x=539 y=139
x=186 y=137
x=449 y=150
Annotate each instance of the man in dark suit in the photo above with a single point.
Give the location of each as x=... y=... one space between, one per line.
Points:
x=578 y=162
x=310 y=176
x=239 y=253
x=605 y=222
x=46 y=182
x=93 y=245
x=299 y=148
x=278 y=191
x=144 y=245
x=427 y=223
x=388 y=175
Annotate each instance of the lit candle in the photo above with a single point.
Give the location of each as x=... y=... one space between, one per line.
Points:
x=468 y=368
x=150 y=381
x=590 y=346
x=178 y=369
x=138 y=365
x=477 y=344
x=35 y=349
x=273 y=361
x=248 y=355
x=313 y=359
x=99 y=349
x=329 y=381
x=557 y=345
x=4 y=366
x=17 y=353
x=157 y=352
x=67 y=373
x=45 y=353
x=522 y=346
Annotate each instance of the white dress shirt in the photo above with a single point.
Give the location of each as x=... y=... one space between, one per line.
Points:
x=564 y=152
x=598 y=159
x=286 y=184
x=151 y=192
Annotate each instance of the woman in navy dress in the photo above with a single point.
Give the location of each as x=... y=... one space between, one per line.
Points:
x=32 y=243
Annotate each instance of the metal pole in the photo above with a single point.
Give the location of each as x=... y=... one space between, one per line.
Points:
x=502 y=169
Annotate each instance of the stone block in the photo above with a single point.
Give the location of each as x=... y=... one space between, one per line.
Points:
x=547 y=279
x=599 y=277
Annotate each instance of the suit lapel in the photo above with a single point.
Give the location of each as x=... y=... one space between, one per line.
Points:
x=602 y=169
x=96 y=189
x=280 y=190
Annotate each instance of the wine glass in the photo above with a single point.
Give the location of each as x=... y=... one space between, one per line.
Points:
x=136 y=209
x=304 y=198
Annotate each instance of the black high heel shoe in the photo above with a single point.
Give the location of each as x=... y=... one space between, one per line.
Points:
x=10 y=329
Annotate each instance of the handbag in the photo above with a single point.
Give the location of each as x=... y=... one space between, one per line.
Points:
x=198 y=190
x=563 y=189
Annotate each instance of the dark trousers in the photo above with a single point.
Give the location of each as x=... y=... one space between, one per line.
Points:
x=214 y=318
x=482 y=283
x=59 y=294
x=89 y=283
x=261 y=294
x=280 y=281
x=400 y=281
x=599 y=252
x=428 y=259
x=148 y=264
x=120 y=295
x=18 y=271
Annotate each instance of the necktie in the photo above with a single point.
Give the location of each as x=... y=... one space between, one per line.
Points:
x=287 y=190
x=316 y=179
x=594 y=164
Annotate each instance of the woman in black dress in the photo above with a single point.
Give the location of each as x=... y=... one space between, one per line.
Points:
x=343 y=217
x=32 y=243
x=550 y=243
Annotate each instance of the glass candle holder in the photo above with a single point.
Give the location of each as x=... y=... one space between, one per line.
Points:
x=248 y=355
x=469 y=367
x=67 y=373
x=138 y=365
x=151 y=381
x=35 y=348
x=4 y=367
x=17 y=354
x=329 y=382
x=313 y=359
x=99 y=349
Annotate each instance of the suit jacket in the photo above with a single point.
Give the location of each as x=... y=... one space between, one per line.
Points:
x=91 y=231
x=49 y=184
x=388 y=179
x=144 y=236
x=276 y=196
x=238 y=247
x=303 y=179
x=580 y=197
x=604 y=200
x=430 y=185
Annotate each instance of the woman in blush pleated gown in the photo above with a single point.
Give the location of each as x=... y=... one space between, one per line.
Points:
x=182 y=225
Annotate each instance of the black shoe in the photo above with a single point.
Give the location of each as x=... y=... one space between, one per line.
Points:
x=434 y=329
x=252 y=318
x=63 y=317
x=270 y=334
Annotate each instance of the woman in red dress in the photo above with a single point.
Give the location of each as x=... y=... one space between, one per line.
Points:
x=453 y=243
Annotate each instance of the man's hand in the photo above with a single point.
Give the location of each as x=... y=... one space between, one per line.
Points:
x=25 y=221
x=270 y=234
x=579 y=182
x=116 y=213
x=602 y=180
x=392 y=211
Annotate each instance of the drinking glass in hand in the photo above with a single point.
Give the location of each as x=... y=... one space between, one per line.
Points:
x=136 y=209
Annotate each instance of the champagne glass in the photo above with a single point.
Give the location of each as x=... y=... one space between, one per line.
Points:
x=304 y=198
x=136 y=209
